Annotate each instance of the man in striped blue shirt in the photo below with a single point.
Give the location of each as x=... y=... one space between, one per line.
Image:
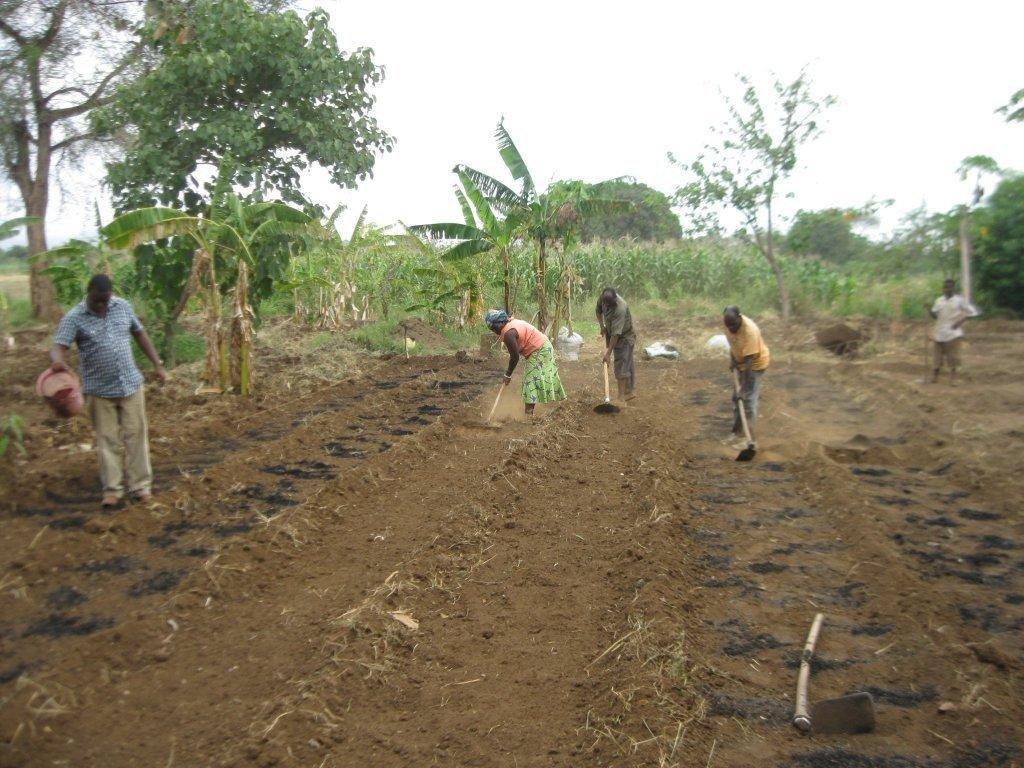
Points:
x=102 y=326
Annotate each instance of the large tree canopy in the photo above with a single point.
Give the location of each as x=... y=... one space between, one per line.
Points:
x=270 y=91
x=650 y=216
x=59 y=59
x=1000 y=245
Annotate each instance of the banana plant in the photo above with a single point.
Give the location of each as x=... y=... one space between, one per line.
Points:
x=248 y=243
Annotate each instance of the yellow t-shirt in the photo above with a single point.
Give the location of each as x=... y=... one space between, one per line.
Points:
x=747 y=341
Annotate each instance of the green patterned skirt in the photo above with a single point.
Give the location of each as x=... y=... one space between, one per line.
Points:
x=540 y=380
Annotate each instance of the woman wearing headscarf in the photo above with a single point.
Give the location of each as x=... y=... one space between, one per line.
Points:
x=540 y=381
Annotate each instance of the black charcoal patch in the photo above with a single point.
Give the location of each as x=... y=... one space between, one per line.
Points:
x=943 y=521
x=343 y=451
x=119 y=564
x=894 y=501
x=700 y=397
x=303 y=470
x=943 y=468
x=179 y=527
x=38 y=512
x=448 y=386
x=715 y=561
x=12 y=674
x=160 y=582
x=988 y=617
x=430 y=410
x=728 y=581
x=973 y=577
x=162 y=541
x=66 y=523
x=720 y=498
x=768 y=567
x=871 y=630
x=416 y=420
x=1014 y=599
x=65 y=597
x=772 y=466
x=987 y=756
x=846 y=594
x=399 y=432
x=61 y=625
x=232 y=529
x=743 y=640
x=791 y=660
x=870 y=471
x=197 y=552
x=977 y=514
x=982 y=559
x=997 y=542
x=774 y=711
x=900 y=697
x=386 y=384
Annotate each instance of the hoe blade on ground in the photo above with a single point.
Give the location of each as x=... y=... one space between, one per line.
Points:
x=606 y=408
x=747 y=454
x=847 y=714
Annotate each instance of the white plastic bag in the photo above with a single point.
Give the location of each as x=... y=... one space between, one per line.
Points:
x=718 y=341
x=567 y=345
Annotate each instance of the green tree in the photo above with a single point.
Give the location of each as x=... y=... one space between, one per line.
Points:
x=742 y=173
x=269 y=90
x=59 y=60
x=650 y=218
x=1000 y=244
x=1014 y=108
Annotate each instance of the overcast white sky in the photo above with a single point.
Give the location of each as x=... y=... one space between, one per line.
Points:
x=594 y=90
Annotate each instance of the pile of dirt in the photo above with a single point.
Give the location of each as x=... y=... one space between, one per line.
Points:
x=425 y=336
x=840 y=339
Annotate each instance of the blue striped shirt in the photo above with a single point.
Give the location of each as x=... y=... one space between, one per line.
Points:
x=104 y=348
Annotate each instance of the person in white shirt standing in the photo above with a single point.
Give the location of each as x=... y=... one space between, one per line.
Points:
x=950 y=311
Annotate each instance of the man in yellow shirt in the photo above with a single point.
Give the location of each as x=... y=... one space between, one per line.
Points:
x=749 y=355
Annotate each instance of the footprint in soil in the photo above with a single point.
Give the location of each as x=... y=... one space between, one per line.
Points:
x=160 y=582
x=61 y=625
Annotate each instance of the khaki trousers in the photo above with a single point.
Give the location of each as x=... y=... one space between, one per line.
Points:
x=122 y=431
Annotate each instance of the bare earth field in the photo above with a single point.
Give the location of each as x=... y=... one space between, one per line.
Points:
x=362 y=575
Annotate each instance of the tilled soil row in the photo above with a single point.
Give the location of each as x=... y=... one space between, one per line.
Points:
x=579 y=590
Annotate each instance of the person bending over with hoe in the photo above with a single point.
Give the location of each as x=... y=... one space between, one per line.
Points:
x=617 y=329
x=540 y=381
x=749 y=359
x=950 y=311
x=103 y=325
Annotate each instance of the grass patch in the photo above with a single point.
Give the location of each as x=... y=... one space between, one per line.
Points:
x=379 y=336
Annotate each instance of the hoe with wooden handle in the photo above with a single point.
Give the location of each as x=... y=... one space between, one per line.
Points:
x=607 y=406
x=750 y=451
x=854 y=713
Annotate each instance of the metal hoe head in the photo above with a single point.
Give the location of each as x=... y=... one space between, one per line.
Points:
x=606 y=407
x=747 y=454
x=854 y=713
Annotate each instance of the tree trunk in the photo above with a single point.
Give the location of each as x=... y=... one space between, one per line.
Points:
x=41 y=291
x=965 y=256
x=780 y=282
x=542 y=308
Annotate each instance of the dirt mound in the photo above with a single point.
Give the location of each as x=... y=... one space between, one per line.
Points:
x=425 y=336
x=840 y=339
